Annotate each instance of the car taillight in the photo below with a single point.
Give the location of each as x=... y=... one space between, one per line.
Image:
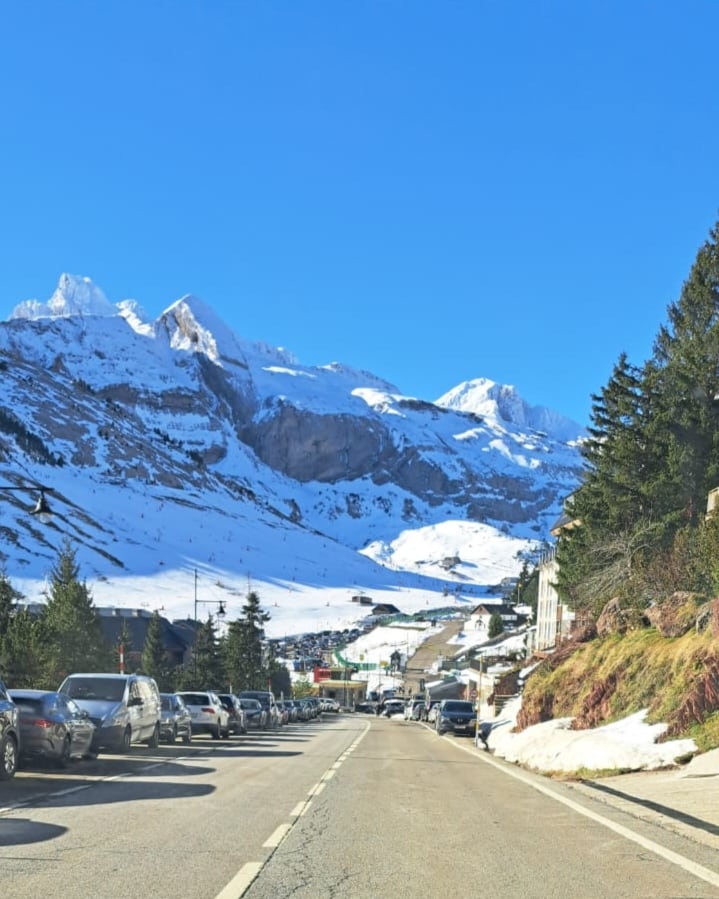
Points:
x=40 y=722
x=208 y=709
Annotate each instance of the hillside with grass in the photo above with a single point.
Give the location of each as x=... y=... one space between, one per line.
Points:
x=674 y=676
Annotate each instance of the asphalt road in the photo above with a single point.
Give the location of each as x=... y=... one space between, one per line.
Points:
x=351 y=807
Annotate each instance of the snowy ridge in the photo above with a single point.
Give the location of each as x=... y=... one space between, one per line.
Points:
x=188 y=447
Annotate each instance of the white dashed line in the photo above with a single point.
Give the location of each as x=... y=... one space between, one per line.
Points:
x=239 y=883
x=280 y=833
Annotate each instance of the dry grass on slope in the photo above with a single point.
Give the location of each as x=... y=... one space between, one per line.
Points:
x=676 y=679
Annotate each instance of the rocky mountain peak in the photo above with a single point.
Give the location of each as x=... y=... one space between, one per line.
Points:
x=74 y=295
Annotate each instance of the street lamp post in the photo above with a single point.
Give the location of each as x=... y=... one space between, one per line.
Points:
x=42 y=507
x=220 y=614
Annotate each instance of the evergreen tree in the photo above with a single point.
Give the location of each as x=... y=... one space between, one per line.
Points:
x=154 y=662
x=279 y=676
x=24 y=662
x=71 y=625
x=207 y=665
x=496 y=625
x=244 y=648
x=8 y=599
x=686 y=374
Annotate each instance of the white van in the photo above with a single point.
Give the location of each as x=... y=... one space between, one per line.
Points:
x=125 y=708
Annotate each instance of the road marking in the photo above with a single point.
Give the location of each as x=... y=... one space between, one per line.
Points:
x=319 y=789
x=280 y=833
x=328 y=775
x=241 y=881
x=70 y=790
x=669 y=855
x=300 y=809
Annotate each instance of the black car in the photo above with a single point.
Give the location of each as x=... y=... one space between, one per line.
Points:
x=456 y=715
x=9 y=735
x=235 y=711
x=53 y=726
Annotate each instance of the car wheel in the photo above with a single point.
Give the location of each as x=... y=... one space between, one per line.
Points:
x=8 y=757
x=187 y=739
x=173 y=735
x=64 y=757
x=127 y=740
x=154 y=740
x=217 y=732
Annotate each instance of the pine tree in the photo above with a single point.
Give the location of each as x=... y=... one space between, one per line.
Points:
x=24 y=662
x=8 y=598
x=244 y=648
x=71 y=625
x=496 y=626
x=686 y=372
x=207 y=665
x=154 y=662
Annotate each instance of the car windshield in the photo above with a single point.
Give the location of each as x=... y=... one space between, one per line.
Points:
x=458 y=706
x=107 y=689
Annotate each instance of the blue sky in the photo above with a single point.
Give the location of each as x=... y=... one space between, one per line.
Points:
x=433 y=191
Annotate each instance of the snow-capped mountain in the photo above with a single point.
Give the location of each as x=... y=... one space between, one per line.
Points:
x=174 y=444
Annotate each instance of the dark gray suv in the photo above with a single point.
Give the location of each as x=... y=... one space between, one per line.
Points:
x=9 y=735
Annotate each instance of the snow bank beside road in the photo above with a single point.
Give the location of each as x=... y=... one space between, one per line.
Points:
x=626 y=745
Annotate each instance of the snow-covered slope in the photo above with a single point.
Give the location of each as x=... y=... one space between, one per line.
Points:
x=175 y=444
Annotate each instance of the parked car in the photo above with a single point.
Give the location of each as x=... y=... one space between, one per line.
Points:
x=393 y=707
x=207 y=713
x=456 y=715
x=52 y=726
x=176 y=720
x=290 y=710
x=301 y=710
x=267 y=701
x=283 y=711
x=429 y=707
x=9 y=735
x=329 y=705
x=413 y=709
x=255 y=715
x=234 y=709
x=125 y=708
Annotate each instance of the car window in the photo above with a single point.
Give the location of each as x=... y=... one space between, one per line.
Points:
x=196 y=698
x=28 y=704
x=108 y=689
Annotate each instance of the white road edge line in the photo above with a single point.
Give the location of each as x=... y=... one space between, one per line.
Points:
x=280 y=833
x=300 y=809
x=692 y=867
x=241 y=881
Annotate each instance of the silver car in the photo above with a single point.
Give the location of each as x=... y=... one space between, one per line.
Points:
x=125 y=708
